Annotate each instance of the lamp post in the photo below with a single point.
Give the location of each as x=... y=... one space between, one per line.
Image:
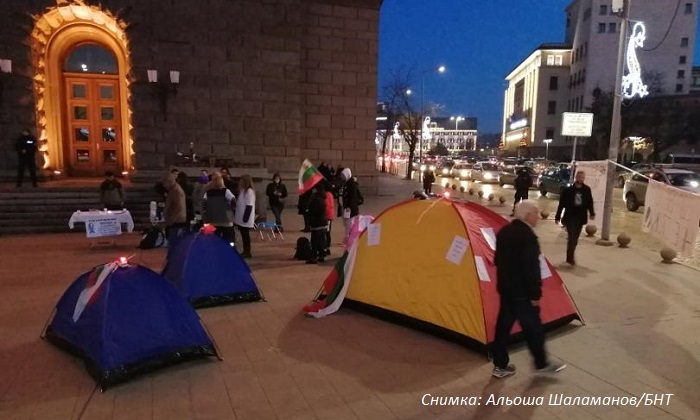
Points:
x=440 y=69
x=456 y=120
x=546 y=153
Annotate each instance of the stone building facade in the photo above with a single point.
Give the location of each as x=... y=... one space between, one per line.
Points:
x=260 y=83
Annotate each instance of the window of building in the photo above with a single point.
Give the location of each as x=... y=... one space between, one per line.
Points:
x=612 y=26
x=688 y=8
x=587 y=14
x=553 y=83
x=558 y=60
x=679 y=87
x=550 y=60
x=549 y=133
x=603 y=9
x=681 y=74
x=551 y=107
x=684 y=42
x=682 y=59
x=601 y=28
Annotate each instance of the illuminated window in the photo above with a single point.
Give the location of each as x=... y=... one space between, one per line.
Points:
x=550 y=60
x=558 y=60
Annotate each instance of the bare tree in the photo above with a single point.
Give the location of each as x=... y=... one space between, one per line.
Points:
x=390 y=97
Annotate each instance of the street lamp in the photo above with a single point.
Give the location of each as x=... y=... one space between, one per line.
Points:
x=440 y=69
x=456 y=120
x=546 y=153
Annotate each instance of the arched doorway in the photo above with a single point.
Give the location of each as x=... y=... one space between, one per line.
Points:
x=92 y=138
x=81 y=82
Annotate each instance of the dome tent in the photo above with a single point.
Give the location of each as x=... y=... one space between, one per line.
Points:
x=208 y=271
x=124 y=320
x=429 y=264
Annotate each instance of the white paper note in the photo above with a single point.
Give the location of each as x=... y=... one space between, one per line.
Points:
x=545 y=272
x=364 y=222
x=457 y=249
x=490 y=237
x=373 y=234
x=481 y=269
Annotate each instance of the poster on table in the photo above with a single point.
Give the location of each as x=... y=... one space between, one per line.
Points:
x=102 y=226
x=671 y=215
x=596 y=178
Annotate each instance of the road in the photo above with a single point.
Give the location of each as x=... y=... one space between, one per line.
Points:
x=622 y=221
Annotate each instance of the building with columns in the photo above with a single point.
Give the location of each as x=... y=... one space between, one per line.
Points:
x=126 y=86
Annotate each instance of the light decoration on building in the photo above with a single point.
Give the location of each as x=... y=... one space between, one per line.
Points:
x=425 y=132
x=632 y=84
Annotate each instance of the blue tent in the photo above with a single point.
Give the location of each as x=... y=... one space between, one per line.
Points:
x=208 y=271
x=124 y=320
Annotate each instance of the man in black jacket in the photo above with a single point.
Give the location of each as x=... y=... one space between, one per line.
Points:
x=577 y=202
x=519 y=285
x=523 y=182
x=26 y=147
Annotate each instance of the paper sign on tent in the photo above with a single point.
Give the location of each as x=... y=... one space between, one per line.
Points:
x=490 y=237
x=457 y=250
x=545 y=272
x=481 y=269
x=374 y=234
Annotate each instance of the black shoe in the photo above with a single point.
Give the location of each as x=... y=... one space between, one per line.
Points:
x=571 y=261
x=311 y=262
x=321 y=260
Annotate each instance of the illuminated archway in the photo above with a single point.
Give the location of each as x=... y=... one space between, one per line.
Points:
x=55 y=32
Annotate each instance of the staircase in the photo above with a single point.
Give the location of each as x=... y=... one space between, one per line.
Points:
x=47 y=210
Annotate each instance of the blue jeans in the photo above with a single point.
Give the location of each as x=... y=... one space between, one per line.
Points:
x=277 y=212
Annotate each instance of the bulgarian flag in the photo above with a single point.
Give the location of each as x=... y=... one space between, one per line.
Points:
x=335 y=287
x=308 y=176
x=92 y=286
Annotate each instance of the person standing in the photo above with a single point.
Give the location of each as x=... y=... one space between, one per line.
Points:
x=317 y=223
x=111 y=192
x=218 y=208
x=26 y=146
x=188 y=189
x=245 y=212
x=352 y=199
x=428 y=179
x=175 y=212
x=330 y=214
x=576 y=202
x=519 y=284
x=523 y=182
x=276 y=193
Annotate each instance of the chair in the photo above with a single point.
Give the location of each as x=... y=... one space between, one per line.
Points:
x=269 y=229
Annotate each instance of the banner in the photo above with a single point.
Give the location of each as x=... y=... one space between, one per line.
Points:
x=596 y=178
x=102 y=226
x=671 y=215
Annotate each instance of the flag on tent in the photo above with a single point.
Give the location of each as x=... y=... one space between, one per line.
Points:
x=335 y=286
x=308 y=176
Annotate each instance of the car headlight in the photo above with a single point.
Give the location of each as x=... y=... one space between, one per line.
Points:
x=432 y=167
x=445 y=171
x=487 y=176
x=694 y=184
x=463 y=173
x=422 y=168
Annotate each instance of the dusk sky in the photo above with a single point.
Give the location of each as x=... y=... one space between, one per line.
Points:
x=478 y=41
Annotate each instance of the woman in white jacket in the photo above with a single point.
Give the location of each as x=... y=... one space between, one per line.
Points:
x=245 y=212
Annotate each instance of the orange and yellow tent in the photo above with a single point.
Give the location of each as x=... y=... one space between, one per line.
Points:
x=429 y=264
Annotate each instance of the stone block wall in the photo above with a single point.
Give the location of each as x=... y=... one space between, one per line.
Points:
x=267 y=82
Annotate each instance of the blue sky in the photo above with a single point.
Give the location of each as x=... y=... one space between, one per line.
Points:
x=479 y=41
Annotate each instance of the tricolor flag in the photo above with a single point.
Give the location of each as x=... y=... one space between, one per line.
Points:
x=308 y=176
x=92 y=285
x=335 y=287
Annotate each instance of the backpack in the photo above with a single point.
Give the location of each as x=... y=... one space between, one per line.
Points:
x=152 y=237
x=303 y=249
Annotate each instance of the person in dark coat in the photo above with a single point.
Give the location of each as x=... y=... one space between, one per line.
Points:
x=188 y=189
x=523 y=182
x=428 y=179
x=519 y=284
x=26 y=147
x=576 y=202
x=318 y=224
x=351 y=200
x=276 y=193
x=302 y=206
x=111 y=192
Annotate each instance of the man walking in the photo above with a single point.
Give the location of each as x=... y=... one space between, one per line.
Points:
x=523 y=182
x=577 y=202
x=519 y=285
x=26 y=146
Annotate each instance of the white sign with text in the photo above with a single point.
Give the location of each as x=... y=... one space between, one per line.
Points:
x=596 y=178
x=577 y=124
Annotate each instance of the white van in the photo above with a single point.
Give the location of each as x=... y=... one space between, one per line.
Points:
x=685 y=161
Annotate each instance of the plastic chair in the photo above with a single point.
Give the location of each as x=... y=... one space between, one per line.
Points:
x=271 y=229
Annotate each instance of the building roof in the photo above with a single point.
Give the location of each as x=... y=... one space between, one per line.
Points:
x=468 y=123
x=542 y=47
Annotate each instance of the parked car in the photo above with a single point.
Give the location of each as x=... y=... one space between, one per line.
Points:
x=486 y=172
x=462 y=171
x=635 y=189
x=623 y=174
x=509 y=174
x=554 y=180
x=686 y=161
x=444 y=168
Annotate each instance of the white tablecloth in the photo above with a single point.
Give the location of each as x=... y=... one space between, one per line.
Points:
x=122 y=216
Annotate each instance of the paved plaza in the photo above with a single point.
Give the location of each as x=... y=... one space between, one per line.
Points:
x=639 y=341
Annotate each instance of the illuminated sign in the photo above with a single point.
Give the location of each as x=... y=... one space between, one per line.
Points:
x=518 y=124
x=632 y=82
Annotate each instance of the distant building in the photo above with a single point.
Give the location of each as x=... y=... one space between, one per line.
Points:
x=532 y=111
x=695 y=80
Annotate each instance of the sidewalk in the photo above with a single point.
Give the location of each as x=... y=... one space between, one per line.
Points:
x=641 y=315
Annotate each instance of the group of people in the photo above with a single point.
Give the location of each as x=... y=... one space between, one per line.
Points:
x=519 y=280
x=336 y=195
